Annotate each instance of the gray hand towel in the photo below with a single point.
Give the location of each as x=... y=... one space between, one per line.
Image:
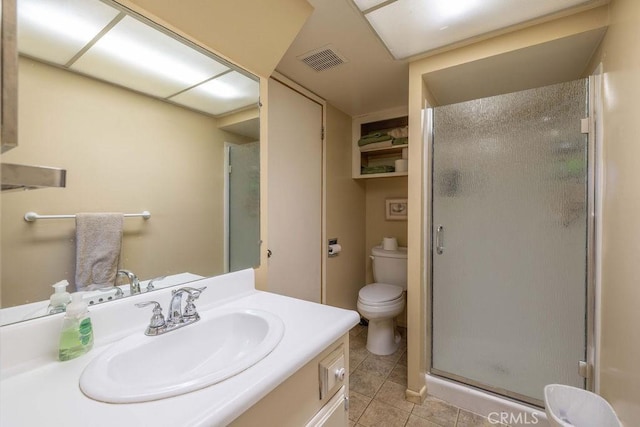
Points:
x=98 y=243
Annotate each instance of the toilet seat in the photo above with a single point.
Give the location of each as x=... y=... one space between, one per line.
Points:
x=376 y=294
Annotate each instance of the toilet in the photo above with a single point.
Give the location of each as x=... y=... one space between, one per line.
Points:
x=382 y=301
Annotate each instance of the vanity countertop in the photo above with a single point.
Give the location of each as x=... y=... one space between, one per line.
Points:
x=36 y=389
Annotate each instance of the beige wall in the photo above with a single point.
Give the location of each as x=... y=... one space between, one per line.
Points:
x=620 y=339
x=345 y=218
x=123 y=152
x=378 y=190
x=378 y=227
x=418 y=304
x=355 y=214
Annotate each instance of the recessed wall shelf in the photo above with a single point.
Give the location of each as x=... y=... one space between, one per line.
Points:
x=378 y=158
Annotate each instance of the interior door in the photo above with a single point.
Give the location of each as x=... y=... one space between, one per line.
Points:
x=294 y=193
x=510 y=239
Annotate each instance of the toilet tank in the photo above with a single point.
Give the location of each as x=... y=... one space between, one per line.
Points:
x=390 y=266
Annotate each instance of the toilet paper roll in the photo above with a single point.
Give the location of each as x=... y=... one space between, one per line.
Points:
x=405 y=153
x=402 y=165
x=390 y=244
x=335 y=249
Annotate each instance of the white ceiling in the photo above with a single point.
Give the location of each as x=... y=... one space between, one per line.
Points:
x=372 y=80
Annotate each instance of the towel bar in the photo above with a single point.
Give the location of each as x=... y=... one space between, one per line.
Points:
x=32 y=216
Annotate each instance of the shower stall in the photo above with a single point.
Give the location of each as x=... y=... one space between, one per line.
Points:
x=512 y=234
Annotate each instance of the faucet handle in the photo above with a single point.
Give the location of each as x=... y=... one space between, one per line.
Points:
x=150 y=286
x=190 y=308
x=157 y=322
x=196 y=292
x=119 y=294
x=193 y=293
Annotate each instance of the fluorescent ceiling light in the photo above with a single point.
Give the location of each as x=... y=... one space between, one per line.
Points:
x=368 y=4
x=219 y=89
x=411 y=27
x=56 y=30
x=450 y=10
x=100 y=41
x=231 y=91
x=142 y=58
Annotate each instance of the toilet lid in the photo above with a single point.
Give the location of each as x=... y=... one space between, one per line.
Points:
x=380 y=292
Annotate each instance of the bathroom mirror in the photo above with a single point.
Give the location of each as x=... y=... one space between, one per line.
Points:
x=141 y=120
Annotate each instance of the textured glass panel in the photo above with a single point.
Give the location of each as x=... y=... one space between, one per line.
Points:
x=244 y=206
x=509 y=289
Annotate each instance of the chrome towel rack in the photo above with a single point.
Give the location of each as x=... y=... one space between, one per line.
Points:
x=32 y=216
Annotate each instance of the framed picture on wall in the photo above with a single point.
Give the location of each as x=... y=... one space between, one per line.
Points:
x=396 y=209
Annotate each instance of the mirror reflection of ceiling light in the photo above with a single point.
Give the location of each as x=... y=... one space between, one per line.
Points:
x=98 y=40
x=149 y=58
x=65 y=25
x=220 y=89
x=140 y=57
x=228 y=92
x=55 y=31
x=412 y=27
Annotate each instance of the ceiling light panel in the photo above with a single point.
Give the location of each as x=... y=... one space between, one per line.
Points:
x=137 y=56
x=55 y=30
x=411 y=27
x=223 y=94
x=368 y=4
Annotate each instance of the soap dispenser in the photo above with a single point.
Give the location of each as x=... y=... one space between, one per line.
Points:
x=76 y=337
x=59 y=298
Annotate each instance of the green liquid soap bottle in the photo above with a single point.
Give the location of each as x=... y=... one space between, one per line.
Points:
x=76 y=337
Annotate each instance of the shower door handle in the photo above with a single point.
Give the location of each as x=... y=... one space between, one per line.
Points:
x=440 y=240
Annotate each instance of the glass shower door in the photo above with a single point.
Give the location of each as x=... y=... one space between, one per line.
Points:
x=510 y=237
x=244 y=205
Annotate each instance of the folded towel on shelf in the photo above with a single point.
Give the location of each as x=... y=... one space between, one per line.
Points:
x=377 y=145
x=373 y=138
x=377 y=169
x=401 y=140
x=98 y=244
x=401 y=132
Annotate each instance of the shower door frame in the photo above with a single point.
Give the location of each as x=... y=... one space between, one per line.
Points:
x=594 y=102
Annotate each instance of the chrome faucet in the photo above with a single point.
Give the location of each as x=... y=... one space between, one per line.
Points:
x=134 y=283
x=177 y=317
x=157 y=325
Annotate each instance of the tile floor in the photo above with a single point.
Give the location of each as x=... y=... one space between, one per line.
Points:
x=377 y=386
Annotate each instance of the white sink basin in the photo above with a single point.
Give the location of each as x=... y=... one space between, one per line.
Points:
x=221 y=344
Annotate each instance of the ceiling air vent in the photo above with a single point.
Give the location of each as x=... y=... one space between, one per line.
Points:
x=323 y=58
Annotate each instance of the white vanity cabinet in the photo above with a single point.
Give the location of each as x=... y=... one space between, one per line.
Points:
x=335 y=413
x=301 y=401
x=282 y=389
